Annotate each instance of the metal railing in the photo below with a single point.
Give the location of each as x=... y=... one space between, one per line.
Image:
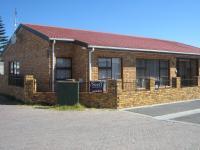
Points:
x=138 y=84
x=142 y=83
x=162 y=83
x=128 y=86
x=189 y=82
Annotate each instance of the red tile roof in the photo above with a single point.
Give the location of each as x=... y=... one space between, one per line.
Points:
x=113 y=40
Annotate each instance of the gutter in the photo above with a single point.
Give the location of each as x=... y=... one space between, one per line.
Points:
x=140 y=50
x=126 y=49
x=90 y=63
x=53 y=65
x=61 y=39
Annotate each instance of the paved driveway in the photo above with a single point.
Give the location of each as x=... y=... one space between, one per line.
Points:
x=26 y=128
x=188 y=111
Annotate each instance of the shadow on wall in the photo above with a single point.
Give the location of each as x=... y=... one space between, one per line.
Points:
x=9 y=100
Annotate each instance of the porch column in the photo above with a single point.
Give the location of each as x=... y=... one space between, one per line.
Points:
x=196 y=80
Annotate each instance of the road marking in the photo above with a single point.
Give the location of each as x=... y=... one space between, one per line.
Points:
x=177 y=115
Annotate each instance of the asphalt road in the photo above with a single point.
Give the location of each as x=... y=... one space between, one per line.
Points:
x=195 y=118
x=188 y=111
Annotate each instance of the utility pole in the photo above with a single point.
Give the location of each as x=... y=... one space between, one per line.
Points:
x=15 y=19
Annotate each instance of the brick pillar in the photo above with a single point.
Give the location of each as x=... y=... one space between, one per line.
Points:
x=29 y=87
x=173 y=71
x=119 y=85
x=176 y=82
x=151 y=84
x=112 y=86
x=196 y=80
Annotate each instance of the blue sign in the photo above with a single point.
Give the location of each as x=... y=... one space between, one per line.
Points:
x=96 y=86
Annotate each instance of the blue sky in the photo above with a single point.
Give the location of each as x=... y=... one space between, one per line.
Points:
x=177 y=20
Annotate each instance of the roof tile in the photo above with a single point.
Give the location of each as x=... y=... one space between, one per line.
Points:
x=113 y=40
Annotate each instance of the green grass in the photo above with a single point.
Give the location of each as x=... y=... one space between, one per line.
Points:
x=77 y=107
x=10 y=100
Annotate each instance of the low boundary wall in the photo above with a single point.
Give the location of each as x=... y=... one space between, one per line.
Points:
x=115 y=97
x=140 y=98
x=28 y=93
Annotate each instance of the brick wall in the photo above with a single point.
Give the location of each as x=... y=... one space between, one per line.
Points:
x=115 y=97
x=129 y=62
x=31 y=94
x=28 y=93
x=140 y=98
x=98 y=100
x=79 y=56
x=119 y=97
x=101 y=100
x=32 y=53
x=155 y=96
x=35 y=57
x=14 y=91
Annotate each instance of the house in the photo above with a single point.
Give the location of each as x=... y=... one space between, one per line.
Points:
x=134 y=70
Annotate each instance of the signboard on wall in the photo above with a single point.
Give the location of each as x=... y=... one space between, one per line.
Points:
x=96 y=86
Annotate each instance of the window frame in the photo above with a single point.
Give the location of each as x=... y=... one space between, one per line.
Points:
x=15 y=70
x=109 y=68
x=190 y=63
x=63 y=68
x=159 y=68
x=164 y=68
x=14 y=74
x=105 y=68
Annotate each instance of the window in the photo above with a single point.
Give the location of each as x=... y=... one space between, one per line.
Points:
x=187 y=69
x=1 y=68
x=14 y=74
x=158 y=69
x=14 y=67
x=63 y=68
x=164 y=72
x=109 y=68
